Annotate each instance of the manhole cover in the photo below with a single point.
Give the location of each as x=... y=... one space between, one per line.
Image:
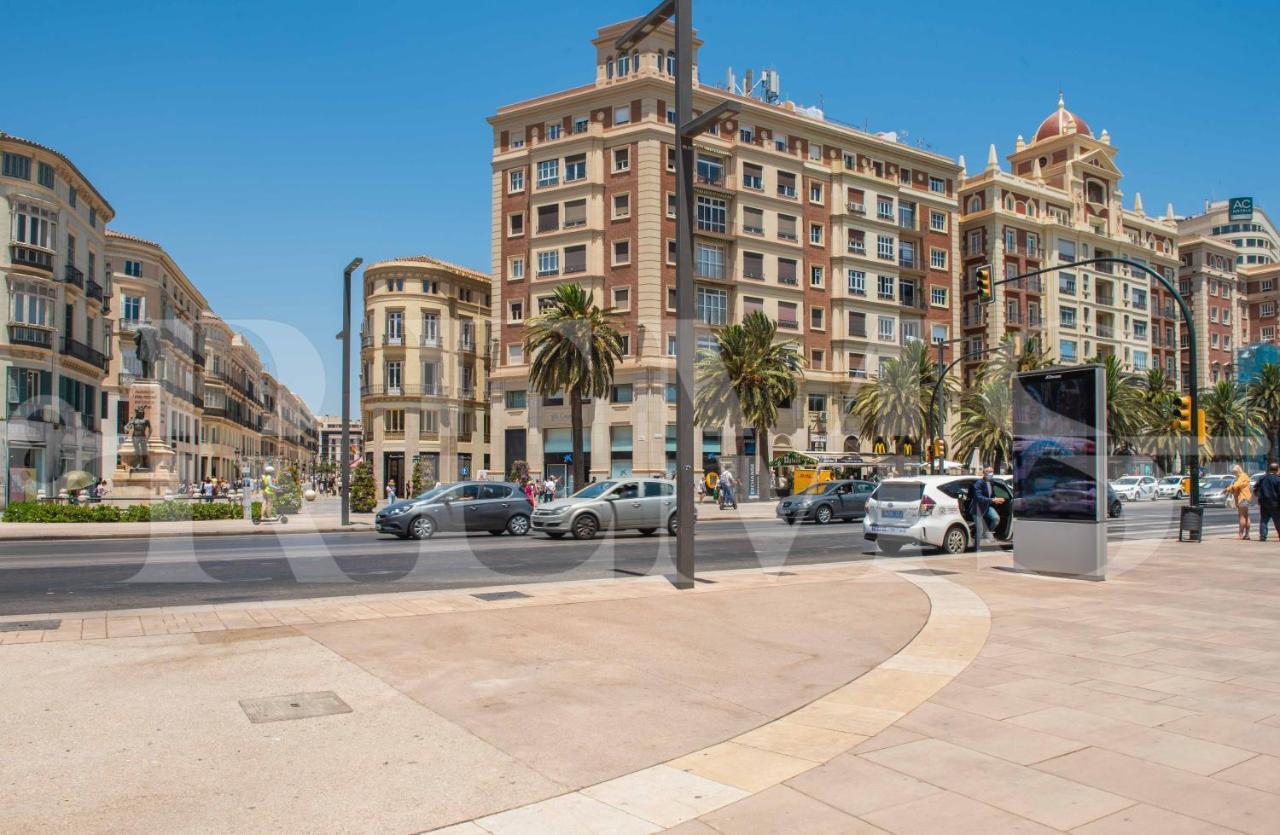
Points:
x=297 y=706
x=29 y=625
x=500 y=595
x=928 y=572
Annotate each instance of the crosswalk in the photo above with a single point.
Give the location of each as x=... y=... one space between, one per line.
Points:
x=1165 y=527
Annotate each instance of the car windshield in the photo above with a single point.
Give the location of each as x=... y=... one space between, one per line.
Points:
x=818 y=489
x=1129 y=479
x=1171 y=479
x=434 y=492
x=594 y=491
x=899 y=491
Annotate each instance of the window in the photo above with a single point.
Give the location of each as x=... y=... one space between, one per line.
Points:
x=33 y=304
x=1067 y=284
x=884 y=287
x=515 y=311
x=671 y=204
x=786 y=184
x=622 y=113
x=16 y=165
x=35 y=226
x=904 y=176
x=818 y=318
x=622 y=205
x=752 y=265
x=937 y=185
x=707 y=342
x=818 y=360
x=857 y=242
x=515 y=179
x=817 y=402
x=713 y=306
x=907 y=253
x=393 y=375
x=884 y=208
x=752 y=220
x=857 y=324
x=515 y=353
x=752 y=176
x=1140 y=360
x=787 y=271
x=815 y=192
x=938 y=259
x=44 y=175
x=747 y=135
x=549 y=218
x=857 y=282
x=621 y=252
x=887 y=328
x=624 y=343
x=671 y=251
x=517 y=269
x=712 y=214
x=910 y=331
x=1067 y=350
x=709 y=169
x=548 y=173
x=815 y=233
x=787 y=316
x=553 y=130
x=549 y=262
x=907 y=215
x=937 y=221
x=622 y=393
x=575 y=168
x=752 y=304
x=580 y=124
x=1067 y=317
x=938 y=296
x=709 y=261
x=575 y=259
x=517 y=399
x=621 y=159
x=71 y=196
x=575 y=213
x=786 y=227
x=884 y=247
x=815 y=276
x=938 y=334
x=1140 y=330
x=131 y=268
x=131 y=310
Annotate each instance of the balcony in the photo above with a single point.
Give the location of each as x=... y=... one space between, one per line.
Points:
x=78 y=350
x=788 y=192
x=93 y=290
x=1107 y=299
x=714 y=271
x=467 y=344
x=787 y=236
x=22 y=255
x=857 y=208
x=857 y=248
x=366 y=340
x=429 y=340
x=1106 y=332
x=393 y=340
x=752 y=229
x=752 y=182
x=199 y=358
x=429 y=434
x=467 y=392
x=908 y=261
x=34 y=336
x=858 y=373
x=73 y=276
x=788 y=325
x=710 y=178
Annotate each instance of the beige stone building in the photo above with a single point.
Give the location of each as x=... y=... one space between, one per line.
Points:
x=150 y=288
x=424 y=354
x=1208 y=278
x=846 y=239
x=1262 y=300
x=1060 y=202
x=56 y=347
x=1255 y=240
x=330 y=428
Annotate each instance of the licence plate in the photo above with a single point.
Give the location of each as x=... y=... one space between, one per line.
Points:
x=891 y=514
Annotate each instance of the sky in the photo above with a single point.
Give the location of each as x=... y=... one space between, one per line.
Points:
x=266 y=144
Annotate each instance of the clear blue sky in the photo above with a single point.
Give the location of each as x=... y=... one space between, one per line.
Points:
x=265 y=144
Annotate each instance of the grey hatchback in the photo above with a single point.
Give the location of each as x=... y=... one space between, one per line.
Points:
x=493 y=506
x=845 y=499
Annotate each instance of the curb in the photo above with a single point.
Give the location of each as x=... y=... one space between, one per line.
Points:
x=256 y=530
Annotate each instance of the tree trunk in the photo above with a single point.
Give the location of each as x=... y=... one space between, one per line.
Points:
x=575 y=417
x=764 y=477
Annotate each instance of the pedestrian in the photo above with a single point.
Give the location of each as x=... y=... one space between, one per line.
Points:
x=728 y=489
x=981 y=507
x=1242 y=493
x=782 y=485
x=391 y=492
x=268 y=491
x=549 y=489
x=702 y=490
x=1268 y=495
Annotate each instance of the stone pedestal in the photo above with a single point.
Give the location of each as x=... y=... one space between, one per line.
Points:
x=154 y=477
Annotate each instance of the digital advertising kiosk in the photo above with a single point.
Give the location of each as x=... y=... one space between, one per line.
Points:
x=1060 y=470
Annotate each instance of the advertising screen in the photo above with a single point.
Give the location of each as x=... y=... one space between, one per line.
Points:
x=1059 y=429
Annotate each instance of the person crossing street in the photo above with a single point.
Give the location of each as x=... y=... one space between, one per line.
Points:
x=1268 y=496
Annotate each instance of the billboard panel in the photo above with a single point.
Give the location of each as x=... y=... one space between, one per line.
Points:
x=1059 y=443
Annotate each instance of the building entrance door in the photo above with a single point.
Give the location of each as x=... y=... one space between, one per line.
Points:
x=392 y=472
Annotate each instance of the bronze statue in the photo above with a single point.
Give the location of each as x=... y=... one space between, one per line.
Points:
x=146 y=342
x=139 y=431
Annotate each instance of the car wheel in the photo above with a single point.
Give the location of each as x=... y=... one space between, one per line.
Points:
x=956 y=540
x=822 y=515
x=585 y=527
x=647 y=531
x=422 y=528
x=518 y=525
x=673 y=525
x=889 y=546
x=1179 y=496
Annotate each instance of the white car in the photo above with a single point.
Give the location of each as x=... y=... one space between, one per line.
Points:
x=1170 y=487
x=1134 y=488
x=930 y=510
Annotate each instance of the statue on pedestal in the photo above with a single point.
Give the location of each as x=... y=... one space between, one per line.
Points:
x=138 y=429
x=146 y=347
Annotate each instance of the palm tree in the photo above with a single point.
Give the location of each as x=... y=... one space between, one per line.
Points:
x=898 y=401
x=748 y=375
x=573 y=345
x=1006 y=363
x=1229 y=421
x=1263 y=394
x=986 y=421
x=1127 y=411
x=1162 y=439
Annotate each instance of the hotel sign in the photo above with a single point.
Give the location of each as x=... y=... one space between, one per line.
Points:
x=1240 y=208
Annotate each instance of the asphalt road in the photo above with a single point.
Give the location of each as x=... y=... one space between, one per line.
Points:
x=65 y=575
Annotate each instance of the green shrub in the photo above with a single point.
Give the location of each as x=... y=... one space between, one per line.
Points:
x=288 y=493
x=166 y=511
x=364 y=494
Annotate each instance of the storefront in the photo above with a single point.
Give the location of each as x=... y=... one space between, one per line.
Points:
x=620 y=451
x=557 y=456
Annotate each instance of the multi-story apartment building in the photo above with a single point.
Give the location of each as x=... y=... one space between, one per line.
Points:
x=330 y=429
x=297 y=436
x=846 y=239
x=1060 y=202
x=231 y=430
x=1208 y=280
x=1255 y=239
x=55 y=351
x=150 y=288
x=1262 y=299
x=424 y=351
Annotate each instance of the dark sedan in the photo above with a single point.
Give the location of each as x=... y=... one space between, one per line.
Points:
x=493 y=506
x=845 y=499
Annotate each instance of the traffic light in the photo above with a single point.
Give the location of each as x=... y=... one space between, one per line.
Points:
x=1184 y=413
x=1201 y=434
x=986 y=290
x=939 y=448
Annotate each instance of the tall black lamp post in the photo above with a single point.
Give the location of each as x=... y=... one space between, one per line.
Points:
x=346 y=388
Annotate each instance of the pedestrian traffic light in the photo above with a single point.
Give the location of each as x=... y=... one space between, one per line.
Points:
x=986 y=290
x=1202 y=434
x=1184 y=413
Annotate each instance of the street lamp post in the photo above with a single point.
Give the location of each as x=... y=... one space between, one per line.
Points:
x=346 y=388
x=686 y=128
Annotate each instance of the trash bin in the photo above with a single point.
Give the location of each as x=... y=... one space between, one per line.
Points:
x=1190 y=524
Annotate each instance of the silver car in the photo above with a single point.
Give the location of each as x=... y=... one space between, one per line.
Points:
x=1213 y=490
x=640 y=504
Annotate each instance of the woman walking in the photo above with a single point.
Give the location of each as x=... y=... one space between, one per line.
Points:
x=1242 y=492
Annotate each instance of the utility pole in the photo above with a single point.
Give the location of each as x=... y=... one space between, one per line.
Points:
x=346 y=388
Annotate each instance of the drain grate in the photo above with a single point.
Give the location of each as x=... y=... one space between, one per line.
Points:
x=928 y=572
x=780 y=573
x=500 y=595
x=297 y=706
x=29 y=625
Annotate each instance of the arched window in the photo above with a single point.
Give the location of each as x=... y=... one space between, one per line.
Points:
x=1095 y=192
x=608 y=67
x=624 y=63
x=671 y=62
x=975 y=203
x=1008 y=202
